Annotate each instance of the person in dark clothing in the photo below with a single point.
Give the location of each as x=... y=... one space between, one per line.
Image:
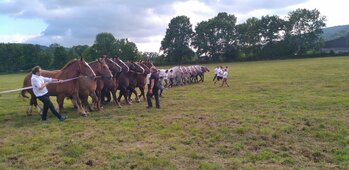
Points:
x=154 y=88
x=171 y=77
x=39 y=84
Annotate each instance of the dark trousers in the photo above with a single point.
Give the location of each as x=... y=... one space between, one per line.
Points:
x=156 y=96
x=171 y=82
x=48 y=104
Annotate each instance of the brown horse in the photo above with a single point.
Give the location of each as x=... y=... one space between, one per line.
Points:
x=110 y=85
x=89 y=87
x=142 y=80
x=73 y=69
x=135 y=69
x=123 y=81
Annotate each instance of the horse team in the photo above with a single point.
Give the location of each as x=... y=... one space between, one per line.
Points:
x=182 y=75
x=100 y=79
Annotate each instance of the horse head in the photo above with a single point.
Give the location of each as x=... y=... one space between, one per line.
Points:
x=101 y=68
x=148 y=64
x=135 y=67
x=113 y=66
x=85 y=69
x=124 y=67
x=145 y=67
x=77 y=67
x=205 y=69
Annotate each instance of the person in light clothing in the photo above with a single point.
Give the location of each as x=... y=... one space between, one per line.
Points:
x=166 y=78
x=225 y=78
x=219 y=74
x=39 y=84
x=215 y=73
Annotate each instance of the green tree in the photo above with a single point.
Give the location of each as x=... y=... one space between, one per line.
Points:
x=127 y=50
x=176 y=43
x=249 y=37
x=271 y=28
x=216 y=38
x=105 y=44
x=77 y=51
x=44 y=59
x=60 y=57
x=303 y=29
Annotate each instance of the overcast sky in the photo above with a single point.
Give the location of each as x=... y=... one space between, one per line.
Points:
x=77 y=22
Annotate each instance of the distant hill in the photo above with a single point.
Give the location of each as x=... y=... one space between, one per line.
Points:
x=43 y=47
x=331 y=33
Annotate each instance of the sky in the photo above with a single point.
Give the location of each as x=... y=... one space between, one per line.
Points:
x=144 y=22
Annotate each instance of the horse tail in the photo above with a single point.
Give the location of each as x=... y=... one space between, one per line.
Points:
x=26 y=82
x=23 y=93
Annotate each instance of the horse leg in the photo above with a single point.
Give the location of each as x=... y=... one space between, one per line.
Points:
x=60 y=101
x=85 y=104
x=129 y=90
x=33 y=102
x=108 y=96
x=73 y=102
x=113 y=91
x=133 y=90
x=124 y=92
x=81 y=109
x=98 y=100
x=142 y=93
x=94 y=100
x=120 y=95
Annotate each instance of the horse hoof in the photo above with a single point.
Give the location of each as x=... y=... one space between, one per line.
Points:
x=29 y=114
x=84 y=114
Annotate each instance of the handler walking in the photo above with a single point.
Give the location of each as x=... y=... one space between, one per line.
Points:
x=39 y=84
x=154 y=88
x=225 y=78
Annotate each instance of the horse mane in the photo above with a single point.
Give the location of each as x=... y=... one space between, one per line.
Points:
x=69 y=63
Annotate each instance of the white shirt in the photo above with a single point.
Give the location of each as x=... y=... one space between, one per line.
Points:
x=216 y=71
x=148 y=78
x=165 y=76
x=225 y=74
x=37 y=82
x=170 y=75
x=220 y=72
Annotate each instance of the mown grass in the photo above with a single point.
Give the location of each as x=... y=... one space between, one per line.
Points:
x=284 y=114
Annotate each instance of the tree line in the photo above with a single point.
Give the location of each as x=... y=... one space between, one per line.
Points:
x=217 y=39
x=221 y=39
x=22 y=57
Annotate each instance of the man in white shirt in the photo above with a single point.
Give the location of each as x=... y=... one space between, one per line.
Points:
x=166 y=78
x=219 y=74
x=215 y=73
x=171 y=77
x=39 y=84
x=225 y=78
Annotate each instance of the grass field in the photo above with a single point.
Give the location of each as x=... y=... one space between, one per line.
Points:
x=284 y=114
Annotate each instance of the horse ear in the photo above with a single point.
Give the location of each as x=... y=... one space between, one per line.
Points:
x=81 y=59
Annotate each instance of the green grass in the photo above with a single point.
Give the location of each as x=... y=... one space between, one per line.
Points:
x=282 y=114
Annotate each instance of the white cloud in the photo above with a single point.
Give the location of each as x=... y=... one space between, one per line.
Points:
x=334 y=10
x=16 y=38
x=143 y=22
x=197 y=11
